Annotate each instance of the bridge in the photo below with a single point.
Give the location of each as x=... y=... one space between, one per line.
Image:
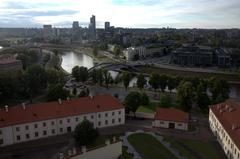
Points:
x=113 y=66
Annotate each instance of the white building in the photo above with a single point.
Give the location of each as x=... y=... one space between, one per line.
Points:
x=133 y=53
x=224 y=120
x=171 y=118
x=24 y=123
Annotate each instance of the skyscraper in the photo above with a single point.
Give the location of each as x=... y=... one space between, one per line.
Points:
x=75 y=25
x=92 y=28
x=107 y=25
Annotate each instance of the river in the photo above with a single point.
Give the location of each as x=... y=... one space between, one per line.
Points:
x=71 y=59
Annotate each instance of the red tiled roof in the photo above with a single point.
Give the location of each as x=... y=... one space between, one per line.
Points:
x=171 y=114
x=228 y=119
x=52 y=110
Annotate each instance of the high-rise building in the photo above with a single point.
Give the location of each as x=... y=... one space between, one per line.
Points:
x=92 y=28
x=107 y=25
x=75 y=25
x=47 y=31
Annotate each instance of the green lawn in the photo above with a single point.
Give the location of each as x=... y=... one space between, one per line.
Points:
x=149 y=147
x=148 y=109
x=194 y=149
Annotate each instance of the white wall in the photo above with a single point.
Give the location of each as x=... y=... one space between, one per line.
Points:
x=112 y=151
x=165 y=124
x=229 y=147
x=10 y=134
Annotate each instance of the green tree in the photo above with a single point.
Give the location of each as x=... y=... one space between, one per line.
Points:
x=100 y=77
x=95 y=51
x=145 y=99
x=85 y=133
x=154 y=81
x=202 y=98
x=74 y=92
x=57 y=91
x=54 y=76
x=132 y=101
x=163 y=82
x=141 y=81
x=26 y=61
x=94 y=76
x=107 y=78
x=126 y=77
x=165 y=101
x=171 y=83
x=83 y=93
x=80 y=73
x=185 y=95
x=117 y=51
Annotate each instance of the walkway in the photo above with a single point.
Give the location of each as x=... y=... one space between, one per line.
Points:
x=131 y=149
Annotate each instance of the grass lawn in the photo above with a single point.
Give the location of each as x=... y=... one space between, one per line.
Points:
x=172 y=72
x=148 y=109
x=149 y=147
x=194 y=149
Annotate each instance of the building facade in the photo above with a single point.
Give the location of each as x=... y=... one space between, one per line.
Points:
x=135 y=53
x=25 y=123
x=224 y=121
x=171 y=119
x=92 y=28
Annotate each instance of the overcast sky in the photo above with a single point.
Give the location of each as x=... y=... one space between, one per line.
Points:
x=122 y=13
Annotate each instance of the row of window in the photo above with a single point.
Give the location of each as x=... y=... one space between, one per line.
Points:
x=113 y=121
x=60 y=121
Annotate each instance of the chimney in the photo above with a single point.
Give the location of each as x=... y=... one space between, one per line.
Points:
x=24 y=106
x=59 y=101
x=6 y=108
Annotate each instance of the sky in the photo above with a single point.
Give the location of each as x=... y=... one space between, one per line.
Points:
x=122 y=13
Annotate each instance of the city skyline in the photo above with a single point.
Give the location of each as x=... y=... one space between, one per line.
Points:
x=122 y=13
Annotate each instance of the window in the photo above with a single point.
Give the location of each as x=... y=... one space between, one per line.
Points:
x=60 y=121
x=68 y=120
x=61 y=129
x=99 y=123
x=113 y=121
x=76 y=118
x=26 y=127
x=179 y=124
x=119 y=112
x=0 y=132
x=36 y=134
x=36 y=126
x=53 y=131
x=92 y=116
x=106 y=122
x=44 y=132
x=106 y=114
x=119 y=120
x=44 y=124
x=85 y=118
x=53 y=123
x=27 y=136
x=18 y=138
x=17 y=128
x=99 y=115
x=161 y=122
x=113 y=113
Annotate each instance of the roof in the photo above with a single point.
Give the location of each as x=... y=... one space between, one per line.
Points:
x=227 y=114
x=171 y=114
x=52 y=110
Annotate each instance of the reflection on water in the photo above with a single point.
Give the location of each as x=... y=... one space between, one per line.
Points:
x=71 y=59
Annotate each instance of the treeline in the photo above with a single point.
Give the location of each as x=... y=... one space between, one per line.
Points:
x=29 y=83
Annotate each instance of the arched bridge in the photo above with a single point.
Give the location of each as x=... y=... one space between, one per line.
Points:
x=114 y=66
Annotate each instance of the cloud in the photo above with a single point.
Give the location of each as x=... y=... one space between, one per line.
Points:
x=124 y=13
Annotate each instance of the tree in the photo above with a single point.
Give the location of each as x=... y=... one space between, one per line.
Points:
x=100 y=77
x=36 y=78
x=145 y=99
x=163 y=82
x=202 y=98
x=80 y=73
x=74 y=91
x=185 y=95
x=54 y=76
x=25 y=60
x=154 y=81
x=141 y=81
x=94 y=76
x=85 y=133
x=107 y=78
x=133 y=101
x=57 y=91
x=95 y=51
x=126 y=77
x=117 y=51
x=171 y=83
x=165 y=101
x=56 y=52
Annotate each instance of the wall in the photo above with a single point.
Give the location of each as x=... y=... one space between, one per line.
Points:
x=165 y=124
x=229 y=147
x=112 y=151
